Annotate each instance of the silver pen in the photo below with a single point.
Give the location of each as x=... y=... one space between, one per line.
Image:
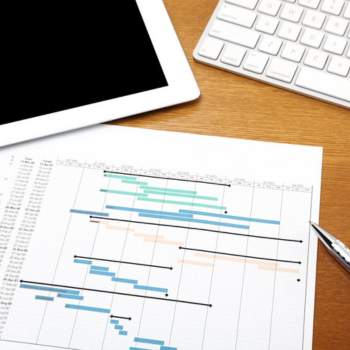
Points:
x=336 y=248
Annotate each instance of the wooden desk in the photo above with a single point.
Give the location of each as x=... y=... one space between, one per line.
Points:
x=232 y=106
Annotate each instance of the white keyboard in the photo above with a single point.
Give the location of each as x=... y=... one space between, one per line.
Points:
x=299 y=45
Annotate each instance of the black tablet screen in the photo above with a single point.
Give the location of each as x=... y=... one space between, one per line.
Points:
x=58 y=58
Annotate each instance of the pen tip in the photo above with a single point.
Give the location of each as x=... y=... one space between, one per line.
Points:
x=311 y=223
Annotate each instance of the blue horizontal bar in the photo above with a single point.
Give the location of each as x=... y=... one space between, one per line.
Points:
x=102 y=273
x=118 y=327
x=123 y=333
x=87 y=308
x=242 y=218
x=124 y=280
x=70 y=296
x=167 y=348
x=49 y=289
x=216 y=223
x=136 y=210
x=134 y=182
x=41 y=297
x=87 y=212
x=153 y=289
x=133 y=348
x=99 y=268
x=149 y=341
x=86 y=262
x=114 y=321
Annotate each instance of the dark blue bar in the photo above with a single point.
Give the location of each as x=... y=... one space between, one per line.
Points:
x=148 y=341
x=87 y=308
x=70 y=296
x=102 y=273
x=153 y=289
x=41 y=297
x=216 y=223
x=87 y=212
x=49 y=289
x=99 y=268
x=242 y=218
x=148 y=211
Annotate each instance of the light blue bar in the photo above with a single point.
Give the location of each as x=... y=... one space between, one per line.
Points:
x=124 y=192
x=164 y=193
x=153 y=289
x=70 y=296
x=134 y=182
x=87 y=308
x=49 y=289
x=216 y=223
x=167 y=189
x=182 y=203
x=124 y=280
x=167 y=348
x=127 y=177
x=41 y=297
x=102 y=273
x=76 y=211
x=80 y=261
x=133 y=348
x=99 y=268
x=148 y=341
x=114 y=321
x=123 y=333
x=136 y=210
x=229 y=217
x=118 y=327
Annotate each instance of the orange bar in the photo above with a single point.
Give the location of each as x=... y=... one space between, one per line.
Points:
x=190 y=262
x=228 y=258
x=279 y=269
x=162 y=241
x=147 y=235
x=119 y=228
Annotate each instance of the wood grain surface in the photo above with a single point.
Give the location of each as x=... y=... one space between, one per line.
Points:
x=237 y=107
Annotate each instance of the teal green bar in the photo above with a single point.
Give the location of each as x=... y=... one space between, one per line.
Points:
x=181 y=195
x=134 y=182
x=182 y=203
x=167 y=189
x=124 y=192
x=121 y=177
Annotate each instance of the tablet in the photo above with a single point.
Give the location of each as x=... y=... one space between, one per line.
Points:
x=68 y=68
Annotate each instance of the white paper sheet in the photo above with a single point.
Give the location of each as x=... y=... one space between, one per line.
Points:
x=203 y=242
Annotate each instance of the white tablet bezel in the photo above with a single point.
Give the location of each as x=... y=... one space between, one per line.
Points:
x=182 y=87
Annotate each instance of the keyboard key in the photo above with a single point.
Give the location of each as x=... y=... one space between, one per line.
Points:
x=256 y=62
x=292 y=13
x=249 y=4
x=267 y=24
x=289 y=31
x=234 y=14
x=270 y=7
x=312 y=4
x=312 y=38
x=234 y=34
x=316 y=59
x=233 y=55
x=333 y=7
x=211 y=48
x=314 y=19
x=324 y=83
x=293 y=52
x=335 y=44
x=270 y=45
x=339 y=66
x=347 y=11
x=336 y=25
x=281 y=70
